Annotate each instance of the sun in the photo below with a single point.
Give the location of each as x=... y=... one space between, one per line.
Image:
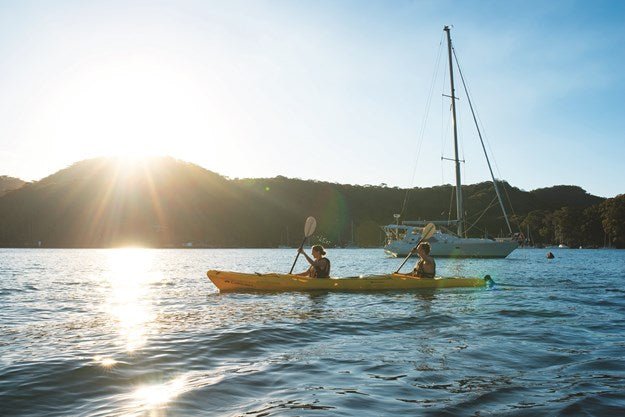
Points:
x=127 y=161
x=132 y=108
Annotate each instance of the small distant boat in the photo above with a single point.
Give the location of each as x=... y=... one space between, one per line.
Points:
x=563 y=246
x=286 y=245
x=239 y=281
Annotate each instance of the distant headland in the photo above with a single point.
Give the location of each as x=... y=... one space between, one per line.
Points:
x=165 y=202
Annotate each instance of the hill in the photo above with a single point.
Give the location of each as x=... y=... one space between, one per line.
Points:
x=165 y=202
x=9 y=184
x=553 y=198
x=107 y=202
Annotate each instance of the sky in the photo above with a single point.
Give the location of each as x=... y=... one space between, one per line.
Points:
x=340 y=91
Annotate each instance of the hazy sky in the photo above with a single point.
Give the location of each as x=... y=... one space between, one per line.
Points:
x=327 y=90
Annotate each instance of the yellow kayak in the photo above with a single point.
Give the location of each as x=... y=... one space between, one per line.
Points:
x=238 y=281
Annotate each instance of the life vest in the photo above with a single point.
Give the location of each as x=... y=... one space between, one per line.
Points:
x=322 y=269
x=421 y=273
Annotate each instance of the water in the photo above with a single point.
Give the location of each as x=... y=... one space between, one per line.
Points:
x=143 y=332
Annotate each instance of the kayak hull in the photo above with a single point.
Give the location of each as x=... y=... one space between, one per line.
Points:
x=238 y=281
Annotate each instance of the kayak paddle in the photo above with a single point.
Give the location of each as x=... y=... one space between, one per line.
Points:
x=309 y=229
x=427 y=232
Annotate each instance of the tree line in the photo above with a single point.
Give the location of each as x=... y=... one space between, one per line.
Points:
x=164 y=202
x=599 y=225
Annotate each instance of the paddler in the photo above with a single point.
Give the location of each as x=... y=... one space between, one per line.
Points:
x=319 y=266
x=425 y=267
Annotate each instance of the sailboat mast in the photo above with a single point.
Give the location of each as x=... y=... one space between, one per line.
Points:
x=353 y=232
x=479 y=132
x=459 y=205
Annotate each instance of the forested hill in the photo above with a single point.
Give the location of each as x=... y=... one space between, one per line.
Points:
x=9 y=183
x=165 y=202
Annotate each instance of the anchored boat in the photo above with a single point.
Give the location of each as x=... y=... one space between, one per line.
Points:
x=238 y=281
x=401 y=238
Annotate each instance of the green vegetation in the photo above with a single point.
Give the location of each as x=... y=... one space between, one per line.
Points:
x=164 y=202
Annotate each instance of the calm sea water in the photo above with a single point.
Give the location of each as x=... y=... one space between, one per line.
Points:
x=143 y=332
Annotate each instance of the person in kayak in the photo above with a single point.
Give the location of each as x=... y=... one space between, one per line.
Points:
x=425 y=267
x=319 y=266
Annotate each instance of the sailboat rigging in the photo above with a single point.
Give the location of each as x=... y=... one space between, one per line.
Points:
x=401 y=238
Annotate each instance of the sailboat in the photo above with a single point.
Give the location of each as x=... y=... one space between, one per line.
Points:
x=286 y=244
x=352 y=243
x=401 y=238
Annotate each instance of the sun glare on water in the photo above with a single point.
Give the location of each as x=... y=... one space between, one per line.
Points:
x=105 y=362
x=155 y=398
x=130 y=301
x=154 y=395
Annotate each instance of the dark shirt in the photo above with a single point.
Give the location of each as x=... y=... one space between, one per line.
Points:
x=320 y=268
x=420 y=272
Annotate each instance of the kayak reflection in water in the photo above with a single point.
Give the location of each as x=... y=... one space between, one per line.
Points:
x=320 y=266
x=425 y=267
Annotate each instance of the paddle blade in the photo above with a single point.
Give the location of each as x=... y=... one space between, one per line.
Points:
x=311 y=225
x=428 y=231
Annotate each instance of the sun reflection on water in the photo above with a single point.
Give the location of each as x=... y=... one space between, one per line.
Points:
x=130 y=302
x=105 y=362
x=155 y=399
x=160 y=394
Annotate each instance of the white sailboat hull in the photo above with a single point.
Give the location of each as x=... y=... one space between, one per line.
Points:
x=448 y=246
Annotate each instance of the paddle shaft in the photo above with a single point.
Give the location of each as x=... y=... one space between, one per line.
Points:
x=295 y=261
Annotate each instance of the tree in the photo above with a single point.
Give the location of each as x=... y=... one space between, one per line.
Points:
x=567 y=222
x=613 y=220
x=539 y=233
x=591 y=227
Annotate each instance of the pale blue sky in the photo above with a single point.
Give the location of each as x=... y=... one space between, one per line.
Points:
x=327 y=90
